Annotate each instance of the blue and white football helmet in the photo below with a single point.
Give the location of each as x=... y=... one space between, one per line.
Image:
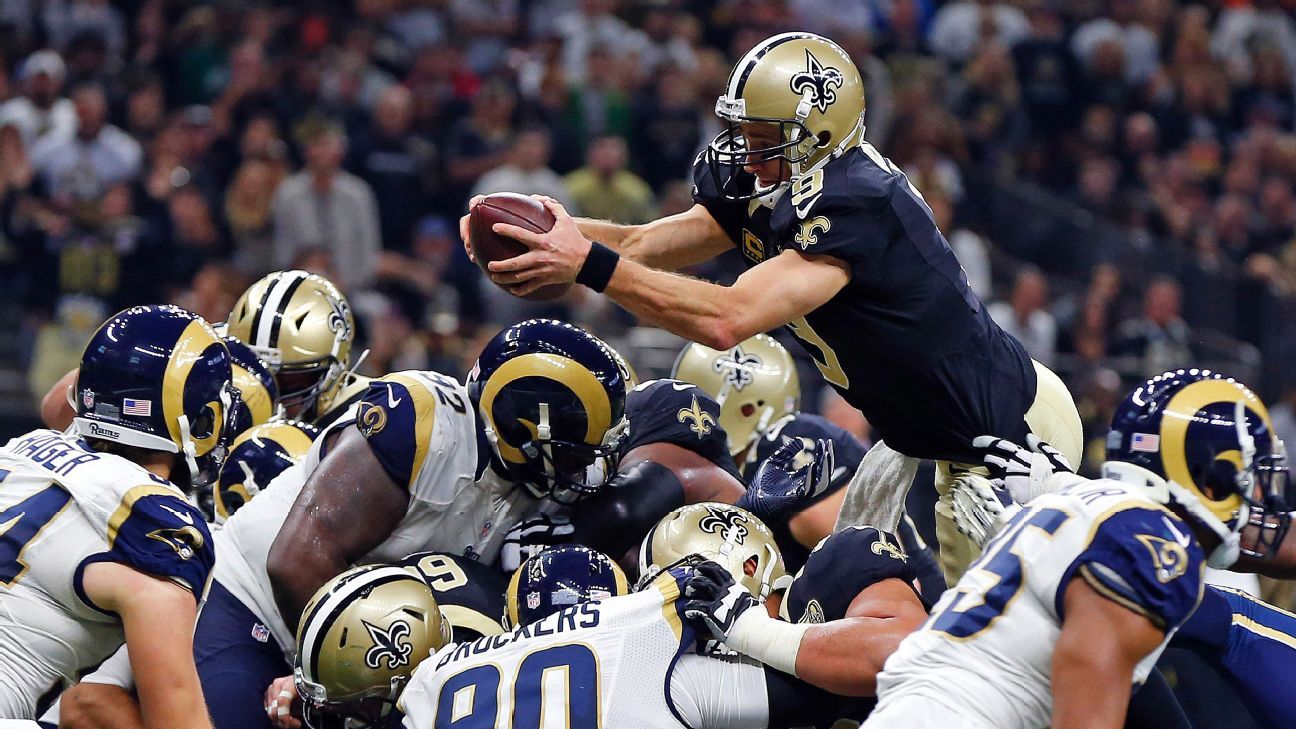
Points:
x=1206 y=442
x=558 y=578
x=159 y=378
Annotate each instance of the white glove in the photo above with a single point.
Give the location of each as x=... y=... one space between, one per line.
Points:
x=532 y=536
x=980 y=508
x=1023 y=472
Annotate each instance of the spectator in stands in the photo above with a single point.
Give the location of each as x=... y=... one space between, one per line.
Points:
x=667 y=131
x=482 y=141
x=399 y=166
x=1101 y=392
x=247 y=213
x=41 y=110
x=527 y=170
x=79 y=168
x=1025 y=315
x=606 y=190
x=971 y=249
x=960 y=28
x=325 y=206
x=1160 y=338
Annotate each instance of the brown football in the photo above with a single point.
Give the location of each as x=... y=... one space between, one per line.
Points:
x=514 y=209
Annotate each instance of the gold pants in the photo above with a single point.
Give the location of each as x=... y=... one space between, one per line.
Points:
x=1054 y=418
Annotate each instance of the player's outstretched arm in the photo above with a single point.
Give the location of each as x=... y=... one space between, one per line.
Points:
x=55 y=410
x=158 y=617
x=1094 y=660
x=669 y=243
x=769 y=295
x=348 y=506
x=99 y=706
x=845 y=656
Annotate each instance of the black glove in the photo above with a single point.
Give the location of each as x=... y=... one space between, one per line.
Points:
x=533 y=535
x=790 y=480
x=715 y=599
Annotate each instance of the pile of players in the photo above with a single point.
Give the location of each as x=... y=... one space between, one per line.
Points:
x=417 y=551
x=552 y=464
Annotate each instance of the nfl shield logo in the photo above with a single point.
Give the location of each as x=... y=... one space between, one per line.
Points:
x=260 y=632
x=533 y=600
x=87 y=399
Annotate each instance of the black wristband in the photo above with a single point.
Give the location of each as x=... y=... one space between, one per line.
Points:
x=598 y=267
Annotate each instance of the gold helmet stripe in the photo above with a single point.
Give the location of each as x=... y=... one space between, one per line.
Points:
x=269 y=316
x=194 y=340
x=1180 y=413
x=575 y=376
x=511 y=609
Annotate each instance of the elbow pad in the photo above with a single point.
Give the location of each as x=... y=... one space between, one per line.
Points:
x=627 y=506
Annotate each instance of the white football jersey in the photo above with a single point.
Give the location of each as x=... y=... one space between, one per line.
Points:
x=985 y=654
x=620 y=662
x=423 y=429
x=63 y=507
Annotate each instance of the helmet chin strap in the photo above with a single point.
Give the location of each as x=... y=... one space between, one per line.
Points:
x=1164 y=491
x=187 y=448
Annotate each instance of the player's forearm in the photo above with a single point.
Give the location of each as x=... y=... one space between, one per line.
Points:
x=669 y=243
x=159 y=627
x=98 y=706
x=296 y=572
x=845 y=656
x=714 y=315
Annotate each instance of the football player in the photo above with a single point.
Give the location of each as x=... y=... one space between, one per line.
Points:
x=756 y=384
x=255 y=458
x=558 y=578
x=675 y=453
x=1243 y=637
x=621 y=661
x=471 y=595
x=840 y=248
x=301 y=324
x=421 y=463
x=1074 y=599
x=98 y=539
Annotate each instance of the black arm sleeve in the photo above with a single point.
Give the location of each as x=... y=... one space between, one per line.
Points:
x=795 y=703
x=621 y=513
x=1154 y=705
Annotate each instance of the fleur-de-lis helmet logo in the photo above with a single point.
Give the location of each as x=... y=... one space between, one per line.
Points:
x=736 y=366
x=730 y=525
x=387 y=644
x=817 y=83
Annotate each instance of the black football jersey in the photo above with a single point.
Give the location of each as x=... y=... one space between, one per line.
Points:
x=906 y=341
x=839 y=568
x=670 y=411
x=471 y=595
x=848 y=451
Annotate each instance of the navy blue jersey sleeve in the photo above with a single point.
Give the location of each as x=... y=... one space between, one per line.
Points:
x=161 y=534
x=470 y=594
x=1146 y=560
x=730 y=214
x=670 y=411
x=839 y=568
x=396 y=416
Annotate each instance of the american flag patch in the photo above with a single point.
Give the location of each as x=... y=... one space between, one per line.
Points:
x=1145 y=443
x=142 y=408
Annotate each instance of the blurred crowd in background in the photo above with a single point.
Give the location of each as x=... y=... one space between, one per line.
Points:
x=1116 y=176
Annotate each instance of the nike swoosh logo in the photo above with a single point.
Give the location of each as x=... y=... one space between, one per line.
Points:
x=681 y=386
x=838 y=472
x=186 y=518
x=392 y=400
x=803 y=210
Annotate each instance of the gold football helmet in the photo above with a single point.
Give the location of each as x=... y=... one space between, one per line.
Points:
x=724 y=533
x=804 y=83
x=755 y=383
x=361 y=637
x=302 y=326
